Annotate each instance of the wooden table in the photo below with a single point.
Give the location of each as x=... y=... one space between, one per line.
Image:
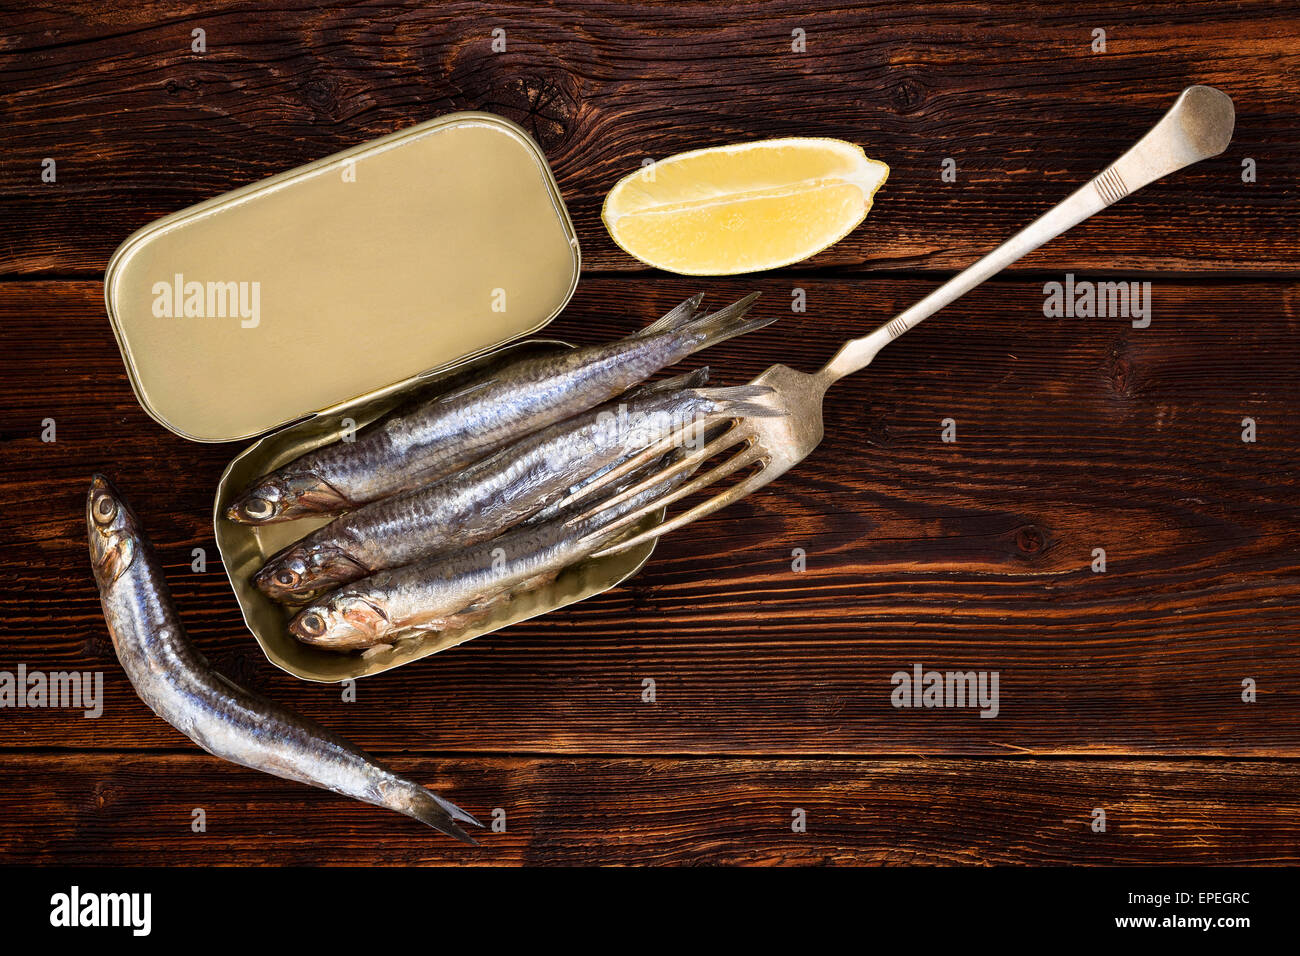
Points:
x=1120 y=691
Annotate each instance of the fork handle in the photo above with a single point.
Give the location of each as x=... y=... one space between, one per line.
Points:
x=1198 y=126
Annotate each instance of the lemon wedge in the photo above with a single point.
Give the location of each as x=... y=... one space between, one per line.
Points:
x=743 y=208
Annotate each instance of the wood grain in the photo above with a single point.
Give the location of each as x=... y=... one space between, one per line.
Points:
x=1073 y=434
x=139 y=125
x=1120 y=690
x=134 y=809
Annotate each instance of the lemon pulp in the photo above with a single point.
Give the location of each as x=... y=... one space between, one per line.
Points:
x=743 y=208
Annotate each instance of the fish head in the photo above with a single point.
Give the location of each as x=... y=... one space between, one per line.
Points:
x=301 y=568
x=343 y=621
x=279 y=497
x=113 y=531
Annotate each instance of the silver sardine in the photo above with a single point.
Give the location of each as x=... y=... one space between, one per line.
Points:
x=180 y=686
x=435 y=438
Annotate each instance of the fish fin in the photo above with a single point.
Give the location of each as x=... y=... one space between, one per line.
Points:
x=734 y=401
x=690 y=380
x=724 y=324
x=676 y=318
x=736 y=393
x=483 y=607
x=535 y=582
x=443 y=815
x=751 y=410
x=464 y=390
x=230 y=684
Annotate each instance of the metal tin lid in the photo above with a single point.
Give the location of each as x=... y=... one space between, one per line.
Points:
x=351 y=274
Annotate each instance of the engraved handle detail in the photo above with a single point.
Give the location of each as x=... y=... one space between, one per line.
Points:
x=896 y=327
x=1110 y=185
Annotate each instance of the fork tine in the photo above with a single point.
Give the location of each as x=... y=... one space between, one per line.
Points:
x=717 y=502
x=627 y=466
x=742 y=459
x=684 y=464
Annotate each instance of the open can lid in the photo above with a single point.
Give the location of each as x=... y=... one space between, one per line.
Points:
x=351 y=274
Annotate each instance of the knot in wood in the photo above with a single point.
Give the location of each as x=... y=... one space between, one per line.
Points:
x=1030 y=540
x=907 y=96
x=543 y=105
x=321 y=94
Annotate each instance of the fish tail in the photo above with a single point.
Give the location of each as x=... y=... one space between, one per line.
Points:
x=719 y=326
x=738 y=400
x=429 y=808
x=676 y=318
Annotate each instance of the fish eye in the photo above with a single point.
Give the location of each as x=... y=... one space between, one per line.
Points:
x=257 y=508
x=313 y=624
x=286 y=578
x=105 y=508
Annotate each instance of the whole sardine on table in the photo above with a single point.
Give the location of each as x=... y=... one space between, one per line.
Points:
x=497 y=492
x=453 y=588
x=179 y=685
x=430 y=440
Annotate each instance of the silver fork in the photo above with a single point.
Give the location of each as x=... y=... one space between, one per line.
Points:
x=1198 y=126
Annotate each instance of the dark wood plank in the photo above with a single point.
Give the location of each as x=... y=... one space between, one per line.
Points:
x=1072 y=434
x=140 y=126
x=131 y=809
